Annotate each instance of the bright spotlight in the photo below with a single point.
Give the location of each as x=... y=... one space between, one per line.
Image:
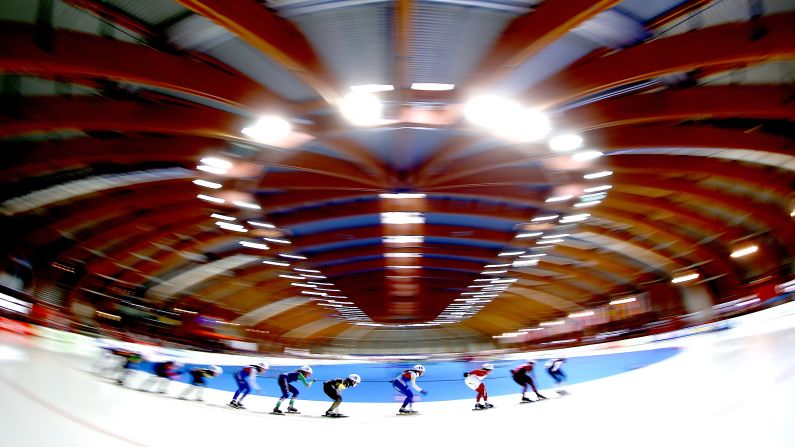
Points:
x=565 y=142
x=491 y=111
x=525 y=126
x=586 y=155
x=361 y=108
x=268 y=128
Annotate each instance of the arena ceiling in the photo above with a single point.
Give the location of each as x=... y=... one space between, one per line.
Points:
x=110 y=108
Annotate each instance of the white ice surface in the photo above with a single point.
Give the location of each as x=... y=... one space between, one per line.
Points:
x=733 y=388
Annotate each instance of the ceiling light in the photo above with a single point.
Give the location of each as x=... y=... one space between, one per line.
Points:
x=599 y=174
x=522 y=235
x=526 y=263
x=575 y=218
x=372 y=88
x=307 y=286
x=587 y=204
x=285 y=255
x=586 y=155
x=431 y=86
x=537 y=255
x=276 y=241
x=291 y=276
x=398 y=267
x=320 y=283
x=402 y=195
x=397 y=218
x=490 y=266
x=684 y=278
x=310 y=292
x=250 y=205
x=525 y=126
x=553 y=236
x=402 y=255
x=542 y=218
x=623 y=301
x=511 y=253
x=268 y=129
x=207 y=184
x=565 y=142
x=586 y=313
x=595 y=196
x=217 y=162
x=279 y=263
x=598 y=188
x=552 y=323
x=549 y=241
x=221 y=216
x=491 y=111
x=558 y=199
x=361 y=108
x=745 y=251
x=306 y=270
x=211 y=169
x=211 y=198
x=493 y=272
x=254 y=245
x=403 y=239
x=232 y=227
x=260 y=224
x=307 y=275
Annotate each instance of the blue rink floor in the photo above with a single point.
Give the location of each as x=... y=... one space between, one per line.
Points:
x=443 y=380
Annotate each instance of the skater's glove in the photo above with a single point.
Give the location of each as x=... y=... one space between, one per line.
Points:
x=424 y=393
x=466 y=374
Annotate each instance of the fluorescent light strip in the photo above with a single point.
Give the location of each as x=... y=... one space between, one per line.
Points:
x=312 y=276
x=261 y=224
x=402 y=255
x=537 y=255
x=622 y=301
x=291 y=276
x=745 y=251
x=587 y=204
x=684 y=278
x=211 y=198
x=276 y=241
x=207 y=184
x=586 y=155
x=399 y=218
x=493 y=272
x=306 y=270
x=279 y=263
x=511 y=253
x=550 y=241
x=490 y=266
x=397 y=267
x=232 y=227
x=309 y=292
x=216 y=162
x=320 y=283
x=599 y=174
x=431 y=86
x=586 y=313
x=372 y=88
x=221 y=216
x=542 y=218
x=552 y=323
x=505 y=280
x=211 y=169
x=249 y=205
x=523 y=235
x=285 y=255
x=308 y=286
x=402 y=195
x=598 y=188
x=403 y=239
x=554 y=236
x=558 y=199
x=254 y=245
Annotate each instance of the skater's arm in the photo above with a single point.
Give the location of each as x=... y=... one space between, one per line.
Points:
x=252 y=380
x=414 y=382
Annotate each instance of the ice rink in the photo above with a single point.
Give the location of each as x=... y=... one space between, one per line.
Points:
x=728 y=388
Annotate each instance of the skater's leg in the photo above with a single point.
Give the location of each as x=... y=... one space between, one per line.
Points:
x=293 y=396
x=481 y=389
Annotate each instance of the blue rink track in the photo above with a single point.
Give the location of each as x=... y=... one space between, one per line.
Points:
x=443 y=380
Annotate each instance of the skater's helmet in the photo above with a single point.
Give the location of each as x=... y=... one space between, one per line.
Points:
x=261 y=366
x=306 y=369
x=419 y=368
x=355 y=379
x=488 y=366
x=217 y=371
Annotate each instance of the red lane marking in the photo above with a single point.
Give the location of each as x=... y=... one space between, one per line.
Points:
x=57 y=410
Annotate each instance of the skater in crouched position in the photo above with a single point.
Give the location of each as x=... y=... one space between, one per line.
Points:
x=288 y=390
x=333 y=389
x=126 y=366
x=164 y=373
x=246 y=379
x=474 y=380
x=523 y=376
x=554 y=368
x=197 y=383
x=404 y=383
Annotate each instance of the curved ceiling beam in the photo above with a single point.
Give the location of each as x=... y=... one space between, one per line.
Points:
x=527 y=35
x=272 y=35
x=77 y=54
x=43 y=115
x=718 y=45
x=718 y=102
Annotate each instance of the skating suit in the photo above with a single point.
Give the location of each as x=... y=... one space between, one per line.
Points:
x=404 y=384
x=475 y=378
x=285 y=384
